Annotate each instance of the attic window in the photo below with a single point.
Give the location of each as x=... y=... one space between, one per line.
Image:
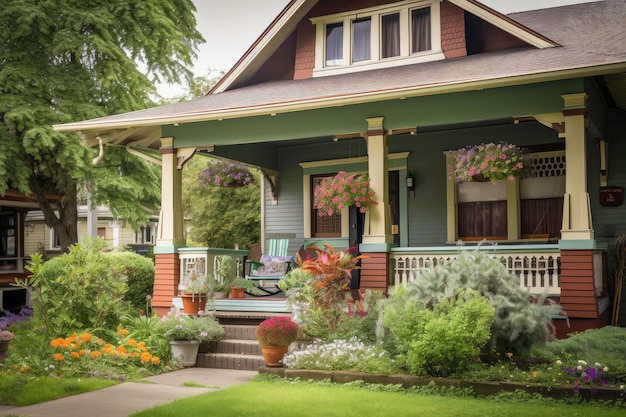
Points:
x=389 y=35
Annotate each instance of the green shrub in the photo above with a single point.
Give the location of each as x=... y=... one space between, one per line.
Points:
x=139 y=273
x=519 y=322
x=83 y=289
x=604 y=345
x=441 y=339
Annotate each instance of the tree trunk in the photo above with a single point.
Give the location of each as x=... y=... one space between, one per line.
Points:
x=63 y=218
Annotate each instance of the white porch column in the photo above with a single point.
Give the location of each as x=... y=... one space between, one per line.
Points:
x=171 y=215
x=577 y=223
x=377 y=228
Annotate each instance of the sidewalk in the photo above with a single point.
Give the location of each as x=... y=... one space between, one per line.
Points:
x=129 y=397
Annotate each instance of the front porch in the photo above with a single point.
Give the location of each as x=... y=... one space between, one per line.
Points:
x=577 y=280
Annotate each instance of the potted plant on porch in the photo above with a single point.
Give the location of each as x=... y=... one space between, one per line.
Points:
x=239 y=286
x=489 y=162
x=185 y=333
x=195 y=294
x=275 y=335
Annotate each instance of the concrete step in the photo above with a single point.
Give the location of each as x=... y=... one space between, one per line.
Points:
x=243 y=347
x=230 y=361
x=240 y=331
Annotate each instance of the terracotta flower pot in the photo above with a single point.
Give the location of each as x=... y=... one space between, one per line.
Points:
x=237 y=292
x=192 y=303
x=273 y=355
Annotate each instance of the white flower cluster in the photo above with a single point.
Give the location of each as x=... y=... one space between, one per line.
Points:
x=337 y=355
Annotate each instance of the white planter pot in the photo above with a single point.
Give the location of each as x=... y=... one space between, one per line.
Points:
x=186 y=351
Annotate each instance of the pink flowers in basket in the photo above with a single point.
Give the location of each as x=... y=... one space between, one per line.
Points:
x=343 y=190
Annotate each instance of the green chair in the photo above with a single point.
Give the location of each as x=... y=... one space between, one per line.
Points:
x=273 y=264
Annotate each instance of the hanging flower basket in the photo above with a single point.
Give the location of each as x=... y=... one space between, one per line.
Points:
x=343 y=190
x=489 y=162
x=221 y=173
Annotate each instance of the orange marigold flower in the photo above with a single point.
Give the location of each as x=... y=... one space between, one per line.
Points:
x=122 y=332
x=58 y=357
x=121 y=349
x=82 y=352
x=58 y=342
x=534 y=374
x=22 y=369
x=145 y=357
x=85 y=337
x=135 y=354
x=95 y=354
x=155 y=360
x=131 y=342
x=75 y=355
x=72 y=338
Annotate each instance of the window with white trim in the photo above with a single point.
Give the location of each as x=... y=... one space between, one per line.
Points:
x=383 y=36
x=530 y=208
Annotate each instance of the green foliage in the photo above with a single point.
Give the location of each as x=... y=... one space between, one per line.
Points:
x=63 y=61
x=519 y=322
x=139 y=273
x=86 y=291
x=219 y=217
x=441 y=339
x=604 y=345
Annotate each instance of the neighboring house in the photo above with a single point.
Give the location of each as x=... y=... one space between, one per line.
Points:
x=387 y=88
x=14 y=208
x=95 y=222
x=23 y=232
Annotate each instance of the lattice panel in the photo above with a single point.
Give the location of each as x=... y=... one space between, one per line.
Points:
x=549 y=164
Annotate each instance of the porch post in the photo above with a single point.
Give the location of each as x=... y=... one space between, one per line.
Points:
x=377 y=237
x=170 y=232
x=577 y=223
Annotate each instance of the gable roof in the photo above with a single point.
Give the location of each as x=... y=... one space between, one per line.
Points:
x=285 y=23
x=590 y=36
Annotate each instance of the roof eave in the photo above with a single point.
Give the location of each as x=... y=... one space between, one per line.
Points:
x=102 y=125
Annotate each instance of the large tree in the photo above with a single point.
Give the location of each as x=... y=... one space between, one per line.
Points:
x=65 y=60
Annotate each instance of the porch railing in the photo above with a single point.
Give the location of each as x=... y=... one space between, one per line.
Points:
x=537 y=266
x=206 y=261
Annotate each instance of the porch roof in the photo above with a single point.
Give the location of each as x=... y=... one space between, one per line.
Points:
x=591 y=38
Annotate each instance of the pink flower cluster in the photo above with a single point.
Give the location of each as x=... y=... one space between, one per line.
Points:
x=343 y=190
x=277 y=331
x=495 y=162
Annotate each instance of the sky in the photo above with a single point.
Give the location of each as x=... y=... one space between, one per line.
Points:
x=230 y=27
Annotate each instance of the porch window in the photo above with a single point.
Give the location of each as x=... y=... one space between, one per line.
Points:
x=323 y=226
x=408 y=32
x=531 y=208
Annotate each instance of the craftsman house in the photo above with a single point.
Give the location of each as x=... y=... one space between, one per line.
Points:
x=387 y=88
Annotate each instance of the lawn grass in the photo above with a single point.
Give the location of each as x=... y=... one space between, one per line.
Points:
x=267 y=398
x=44 y=389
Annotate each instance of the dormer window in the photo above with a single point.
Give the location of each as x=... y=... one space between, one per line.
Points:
x=384 y=36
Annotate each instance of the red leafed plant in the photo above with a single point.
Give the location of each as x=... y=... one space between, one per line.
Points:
x=331 y=271
x=277 y=331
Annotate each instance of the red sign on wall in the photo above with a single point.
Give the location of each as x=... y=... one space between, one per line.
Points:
x=611 y=196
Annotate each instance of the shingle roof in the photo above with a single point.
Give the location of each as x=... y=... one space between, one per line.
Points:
x=591 y=36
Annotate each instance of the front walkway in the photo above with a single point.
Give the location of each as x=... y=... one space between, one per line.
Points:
x=130 y=397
